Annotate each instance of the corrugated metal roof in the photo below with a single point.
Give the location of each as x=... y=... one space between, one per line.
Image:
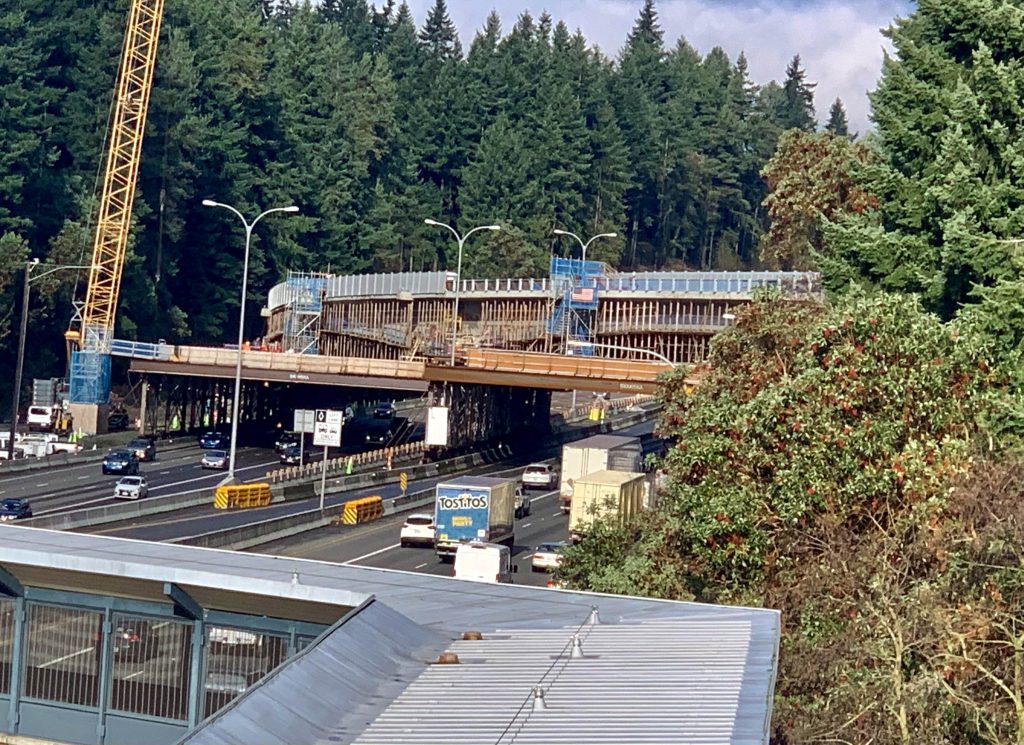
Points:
x=694 y=673
x=330 y=690
x=681 y=680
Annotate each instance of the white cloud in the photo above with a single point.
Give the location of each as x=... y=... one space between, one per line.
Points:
x=839 y=41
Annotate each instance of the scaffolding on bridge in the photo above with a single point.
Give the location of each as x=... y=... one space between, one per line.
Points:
x=575 y=283
x=304 y=293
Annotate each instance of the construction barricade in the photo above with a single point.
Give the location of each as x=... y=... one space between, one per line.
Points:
x=362 y=510
x=241 y=496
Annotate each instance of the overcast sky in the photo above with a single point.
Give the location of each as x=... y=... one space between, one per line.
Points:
x=839 y=41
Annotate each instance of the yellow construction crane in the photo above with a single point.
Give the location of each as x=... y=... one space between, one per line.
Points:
x=90 y=366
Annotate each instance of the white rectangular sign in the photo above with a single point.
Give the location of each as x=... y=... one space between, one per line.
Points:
x=304 y=420
x=327 y=428
x=437 y=426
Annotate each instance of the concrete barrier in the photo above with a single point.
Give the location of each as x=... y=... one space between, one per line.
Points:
x=59 y=460
x=88 y=517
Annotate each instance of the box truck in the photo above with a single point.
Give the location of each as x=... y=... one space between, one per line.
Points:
x=473 y=508
x=603 y=494
x=597 y=453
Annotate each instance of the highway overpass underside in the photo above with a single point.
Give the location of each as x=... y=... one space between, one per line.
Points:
x=175 y=401
x=492 y=413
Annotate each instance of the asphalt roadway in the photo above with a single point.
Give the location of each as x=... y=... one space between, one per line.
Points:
x=376 y=544
x=176 y=469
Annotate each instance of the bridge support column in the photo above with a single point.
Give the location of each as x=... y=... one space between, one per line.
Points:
x=483 y=414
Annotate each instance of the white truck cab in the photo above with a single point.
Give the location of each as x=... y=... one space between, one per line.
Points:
x=484 y=562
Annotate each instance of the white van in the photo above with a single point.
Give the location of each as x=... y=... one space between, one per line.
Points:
x=39 y=418
x=484 y=562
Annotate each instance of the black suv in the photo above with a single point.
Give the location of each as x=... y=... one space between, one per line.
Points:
x=121 y=461
x=14 y=509
x=143 y=447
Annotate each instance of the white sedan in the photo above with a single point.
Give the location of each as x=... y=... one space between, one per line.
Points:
x=417 y=530
x=131 y=487
x=547 y=556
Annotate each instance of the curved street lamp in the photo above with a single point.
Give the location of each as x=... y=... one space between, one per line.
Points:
x=579 y=240
x=241 y=320
x=462 y=240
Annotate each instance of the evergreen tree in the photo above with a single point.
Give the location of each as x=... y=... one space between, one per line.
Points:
x=439 y=35
x=837 y=123
x=797 y=110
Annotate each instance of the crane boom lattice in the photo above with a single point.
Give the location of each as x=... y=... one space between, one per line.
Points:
x=90 y=368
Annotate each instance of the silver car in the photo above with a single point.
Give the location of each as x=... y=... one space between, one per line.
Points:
x=216 y=459
x=131 y=487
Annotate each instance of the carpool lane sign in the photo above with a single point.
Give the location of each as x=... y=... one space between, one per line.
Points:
x=327 y=428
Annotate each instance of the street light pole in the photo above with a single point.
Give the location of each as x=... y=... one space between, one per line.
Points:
x=458 y=271
x=22 y=333
x=579 y=240
x=241 y=321
x=584 y=247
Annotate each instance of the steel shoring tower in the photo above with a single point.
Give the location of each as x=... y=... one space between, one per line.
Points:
x=90 y=367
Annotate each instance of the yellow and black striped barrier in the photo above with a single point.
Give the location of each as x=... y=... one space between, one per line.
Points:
x=241 y=496
x=362 y=510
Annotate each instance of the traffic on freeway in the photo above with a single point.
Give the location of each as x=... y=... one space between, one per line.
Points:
x=176 y=469
x=378 y=544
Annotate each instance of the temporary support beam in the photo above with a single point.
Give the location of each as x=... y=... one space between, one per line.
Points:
x=10 y=585
x=184 y=604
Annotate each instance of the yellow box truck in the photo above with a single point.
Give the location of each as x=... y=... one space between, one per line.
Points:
x=604 y=493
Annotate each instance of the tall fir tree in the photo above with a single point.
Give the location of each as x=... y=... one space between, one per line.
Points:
x=837 y=123
x=797 y=111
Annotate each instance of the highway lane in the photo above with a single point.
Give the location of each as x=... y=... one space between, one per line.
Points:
x=197 y=520
x=177 y=469
x=376 y=544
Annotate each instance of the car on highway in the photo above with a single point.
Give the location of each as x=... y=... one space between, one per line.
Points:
x=14 y=509
x=548 y=556
x=378 y=436
x=417 y=530
x=144 y=447
x=131 y=487
x=540 y=476
x=121 y=461
x=384 y=410
x=285 y=440
x=228 y=683
x=522 y=504
x=293 y=455
x=118 y=421
x=135 y=640
x=214 y=440
x=215 y=459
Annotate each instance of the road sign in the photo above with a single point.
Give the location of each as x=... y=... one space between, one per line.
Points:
x=327 y=428
x=304 y=420
x=437 y=425
x=403 y=481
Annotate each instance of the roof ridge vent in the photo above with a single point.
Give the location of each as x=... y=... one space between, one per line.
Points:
x=576 y=653
x=595 y=618
x=539 y=704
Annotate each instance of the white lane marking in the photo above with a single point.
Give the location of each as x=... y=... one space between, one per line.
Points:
x=40 y=486
x=373 y=553
x=76 y=505
x=164 y=473
x=134 y=675
x=525 y=525
x=67 y=656
x=81 y=477
x=420 y=566
x=557 y=514
x=211 y=475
